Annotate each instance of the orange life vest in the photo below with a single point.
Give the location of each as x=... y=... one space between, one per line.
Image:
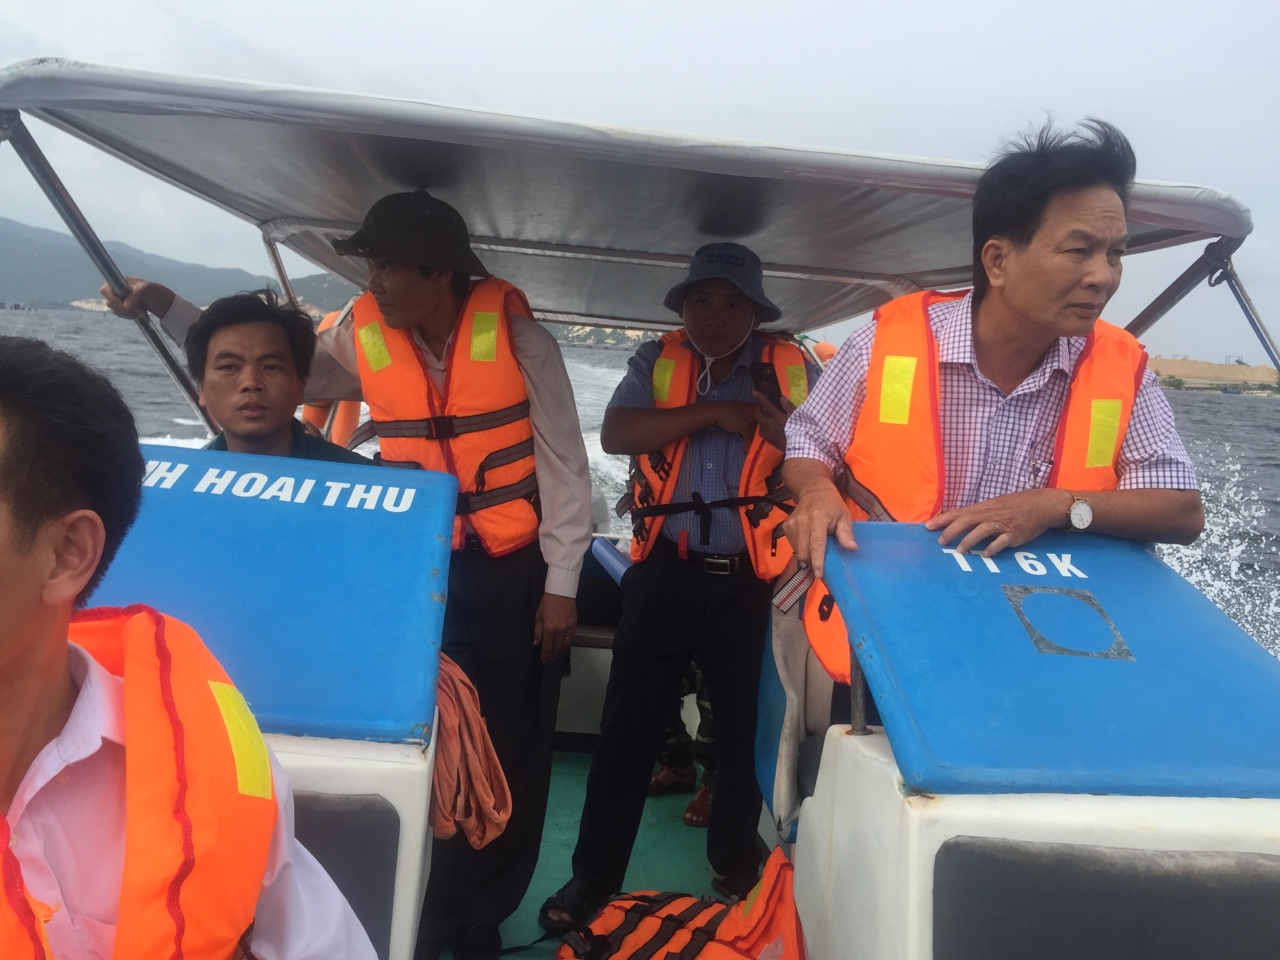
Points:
x=477 y=428
x=200 y=804
x=648 y=924
x=336 y=419
x=762 y=501
x=895 y=468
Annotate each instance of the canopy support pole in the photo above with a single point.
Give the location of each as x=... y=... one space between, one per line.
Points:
x=273 y=254
x=14 y=130
x=858 y=695
x=1229 y=276
x=1216 y=256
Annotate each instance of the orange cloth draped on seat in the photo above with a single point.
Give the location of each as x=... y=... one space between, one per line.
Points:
x=468 y=787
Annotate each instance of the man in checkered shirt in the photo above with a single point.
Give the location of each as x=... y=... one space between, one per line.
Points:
x=1049 y=232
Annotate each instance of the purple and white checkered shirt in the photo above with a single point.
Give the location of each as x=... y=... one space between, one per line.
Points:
x=992 y=444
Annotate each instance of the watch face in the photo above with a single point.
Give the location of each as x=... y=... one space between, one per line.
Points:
x=1081 y=514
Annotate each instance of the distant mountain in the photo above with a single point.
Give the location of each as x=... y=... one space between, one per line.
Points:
x=45 y=268
x=323 y=290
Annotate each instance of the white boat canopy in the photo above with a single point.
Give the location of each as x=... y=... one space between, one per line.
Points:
x=594 y=223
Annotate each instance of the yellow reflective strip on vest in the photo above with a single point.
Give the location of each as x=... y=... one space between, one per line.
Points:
x=484 y=337
x=253 y=767
x=895 y=389
x=797 y=383
x=1104 y=430
x=374 y=347
x=663 y=371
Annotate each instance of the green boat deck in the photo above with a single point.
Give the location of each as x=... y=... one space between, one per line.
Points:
x=668 y=854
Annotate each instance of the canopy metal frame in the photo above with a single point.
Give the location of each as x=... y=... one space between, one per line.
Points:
x=592 y=222
x=13 y=130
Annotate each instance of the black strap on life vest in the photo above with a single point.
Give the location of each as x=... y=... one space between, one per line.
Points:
x=703 y=934
x=589 y=945
x=639 y=499
x=526 y=489
x=439 y=428
x=668 y=929
x=702 y=508
x=777 y=496
x=500 y=458
x=862 y=496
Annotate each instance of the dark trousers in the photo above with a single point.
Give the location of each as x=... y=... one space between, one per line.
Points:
x=488 y=631
x=672 y=611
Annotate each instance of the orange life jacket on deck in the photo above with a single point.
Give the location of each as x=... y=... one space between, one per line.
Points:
x=477 y=429
x=336 y=419
x=762 y=501
x=648 y=924
x=895 y=467
x=200 y=805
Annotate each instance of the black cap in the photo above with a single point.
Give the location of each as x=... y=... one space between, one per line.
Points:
x=414 y=228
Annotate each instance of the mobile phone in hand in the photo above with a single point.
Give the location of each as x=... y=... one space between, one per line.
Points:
x=765 y=380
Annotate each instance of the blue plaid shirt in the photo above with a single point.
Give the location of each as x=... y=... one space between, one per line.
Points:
x=714 y=458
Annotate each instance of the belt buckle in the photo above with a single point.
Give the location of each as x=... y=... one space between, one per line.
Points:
x=720 y=566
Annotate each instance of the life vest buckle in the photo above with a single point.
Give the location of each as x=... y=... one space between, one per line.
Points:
x=442 y=428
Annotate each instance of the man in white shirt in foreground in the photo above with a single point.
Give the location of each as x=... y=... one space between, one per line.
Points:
x=143 y=813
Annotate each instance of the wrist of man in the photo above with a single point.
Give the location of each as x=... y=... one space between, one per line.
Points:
x=1066 y=511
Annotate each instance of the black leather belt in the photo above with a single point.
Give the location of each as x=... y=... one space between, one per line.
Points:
x=722 y=566
x=716 y=563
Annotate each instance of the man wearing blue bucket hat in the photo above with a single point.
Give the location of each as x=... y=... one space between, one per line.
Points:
x=701 y=412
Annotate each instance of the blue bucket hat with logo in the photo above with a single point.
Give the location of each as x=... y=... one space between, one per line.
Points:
x=726 y=261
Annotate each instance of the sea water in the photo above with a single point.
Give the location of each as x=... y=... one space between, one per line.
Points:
x=1234 y=441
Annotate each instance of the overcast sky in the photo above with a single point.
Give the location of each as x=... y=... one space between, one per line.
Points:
x=1193 y=85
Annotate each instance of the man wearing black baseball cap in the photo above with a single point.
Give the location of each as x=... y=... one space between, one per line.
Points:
x=414 y=228
x=701 y=411
x=460 y=378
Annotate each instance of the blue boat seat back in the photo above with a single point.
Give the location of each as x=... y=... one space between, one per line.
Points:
x=319 y=586
x=787 y=688
x=611 y=560
x=1074 y=664
x=777 y=704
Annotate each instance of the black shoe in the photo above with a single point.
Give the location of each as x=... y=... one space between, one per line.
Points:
x=477 y=943
x=735 y=887
x=579 y=900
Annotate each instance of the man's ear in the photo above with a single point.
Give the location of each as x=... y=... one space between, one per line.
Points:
x=75 y=541
x=995 y=254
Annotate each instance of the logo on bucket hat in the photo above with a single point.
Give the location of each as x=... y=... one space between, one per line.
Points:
x=414 y=228
x=726 y=261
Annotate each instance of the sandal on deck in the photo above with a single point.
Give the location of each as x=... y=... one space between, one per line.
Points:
x=698 y=812
x=668 y=779
x=579 y=899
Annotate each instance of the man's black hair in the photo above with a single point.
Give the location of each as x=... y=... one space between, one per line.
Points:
x=69 y=444
x=1015 y=190
x=459 y=284
x=260 y=305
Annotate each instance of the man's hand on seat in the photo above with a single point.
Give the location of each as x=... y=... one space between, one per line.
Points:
x=555 y=625
x=143 y=296
x=819 y=512
x=1006 y=521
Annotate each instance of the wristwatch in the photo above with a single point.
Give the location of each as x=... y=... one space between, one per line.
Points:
x=1080 y=513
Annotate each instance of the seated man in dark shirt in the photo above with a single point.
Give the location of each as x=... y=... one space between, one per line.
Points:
x=250 y=356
